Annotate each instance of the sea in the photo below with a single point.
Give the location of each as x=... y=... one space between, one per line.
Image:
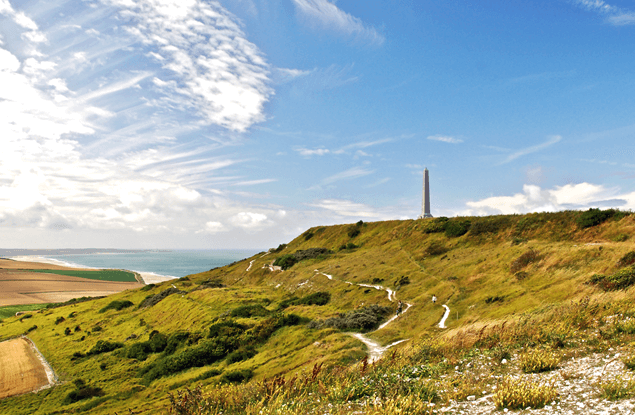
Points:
x=172 y=263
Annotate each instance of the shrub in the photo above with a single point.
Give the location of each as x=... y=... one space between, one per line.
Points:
x=348 y=246
x=456 y=228
x=616 y=388
x=241 y=354
x=537 y=361
x=138 y=351
x=225 y=328
x=81 y=392
x=353 y=232
x=68 y=331
x=148 y=287
x=629 y=361
x=215 y=283
x=520 y=394
x=175 y=341
x=25 y=317
x=308 y=235
x=494 y=299
x=524 y=260
x=103 y=346
x=492 y=224
x=628 y=259
x=96 y=329
x=285 y=261
x=208 y=374
x=153 y=300
x=593 y=217
x=250 y=310
x=366 y=318
x=280 y=248
x=30 y=329
x=521 y=275
x=237 y=376
x=117 y=305
x=59 y=320
x=620 y=237
x=436 y=225
x=620 y=280
x=436 y=248
x=403 y=280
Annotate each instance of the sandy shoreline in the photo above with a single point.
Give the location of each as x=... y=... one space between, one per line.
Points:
x=147 y=277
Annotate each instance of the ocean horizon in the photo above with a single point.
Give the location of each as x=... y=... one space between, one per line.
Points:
x=165 y=263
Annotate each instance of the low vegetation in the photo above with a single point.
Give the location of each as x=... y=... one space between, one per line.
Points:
x=102 y=274
x=227 y=343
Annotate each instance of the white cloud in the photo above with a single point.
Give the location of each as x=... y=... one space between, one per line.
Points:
x=535 y=199
x=352 y=173
x=315 y=152
x=220 y=74
x=616 y=16
x=445 y=139
x=250 y=220
x=328 y=16
x=528 y=150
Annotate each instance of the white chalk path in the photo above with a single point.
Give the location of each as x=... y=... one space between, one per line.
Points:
x=375 y=350
x=445 y=317
x=252 y=261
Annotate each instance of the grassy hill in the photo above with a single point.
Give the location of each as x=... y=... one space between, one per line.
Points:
x=245 y=338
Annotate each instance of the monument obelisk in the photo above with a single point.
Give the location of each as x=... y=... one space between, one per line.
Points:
x=425 y=207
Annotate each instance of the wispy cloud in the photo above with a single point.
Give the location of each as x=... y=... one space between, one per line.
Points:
x=614 y=15
x=445 y=139
x=327 y=16
x=346 y=208
x=352 y=173
x=528 y=150
x=535 y=199
x=313 y=152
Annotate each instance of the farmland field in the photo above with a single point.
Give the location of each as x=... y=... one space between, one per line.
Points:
x=101 y=274
x=34 y=283
x=22 y=371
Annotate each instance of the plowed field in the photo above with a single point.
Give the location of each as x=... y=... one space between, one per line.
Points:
x=20 y=286
x=21 y=369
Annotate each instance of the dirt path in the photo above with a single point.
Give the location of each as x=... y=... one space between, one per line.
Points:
x=375 y=350
x=23 y=368
x=445 y=317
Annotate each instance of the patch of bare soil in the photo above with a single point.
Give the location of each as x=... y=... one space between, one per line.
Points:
x=22 y=370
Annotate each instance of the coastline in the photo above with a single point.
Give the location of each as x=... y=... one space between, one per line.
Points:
x=145 y=277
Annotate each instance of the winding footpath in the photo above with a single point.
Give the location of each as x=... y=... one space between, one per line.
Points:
x=375 y=350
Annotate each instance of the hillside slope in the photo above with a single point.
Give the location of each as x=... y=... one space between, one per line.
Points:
x=249 y=320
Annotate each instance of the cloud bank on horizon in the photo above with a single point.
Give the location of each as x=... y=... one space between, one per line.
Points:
x=209 y=124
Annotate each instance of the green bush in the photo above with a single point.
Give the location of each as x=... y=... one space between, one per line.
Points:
x=59 y=320
x=237 y=376
x=208 y=374
x=593 y=217
x=366 y=318
x=175 y=341
x=241 y=354
x=620 y=280
x=626 y=260
x=81 y=392
x=353 y=232
x=491 y=224
x=104 y=346
x=456 y=228
x=117 y=305
x=280 y=248
x=436 y=225
x=318 y=298
x=620 y=237
x=285 y=261
x=524 y=260
x=250 y=310
x=436 y=248
x=308 y=235
x=226 y=328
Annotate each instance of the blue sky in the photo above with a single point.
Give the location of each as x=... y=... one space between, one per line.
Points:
x=241 y=123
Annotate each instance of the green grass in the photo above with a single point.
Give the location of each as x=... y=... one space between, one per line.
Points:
x=547 y=308
x=102 y=274
x=10 y=310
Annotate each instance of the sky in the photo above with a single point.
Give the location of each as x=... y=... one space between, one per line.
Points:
x=199 y=124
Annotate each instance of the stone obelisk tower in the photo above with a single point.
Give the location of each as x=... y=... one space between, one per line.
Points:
x=425 y=207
